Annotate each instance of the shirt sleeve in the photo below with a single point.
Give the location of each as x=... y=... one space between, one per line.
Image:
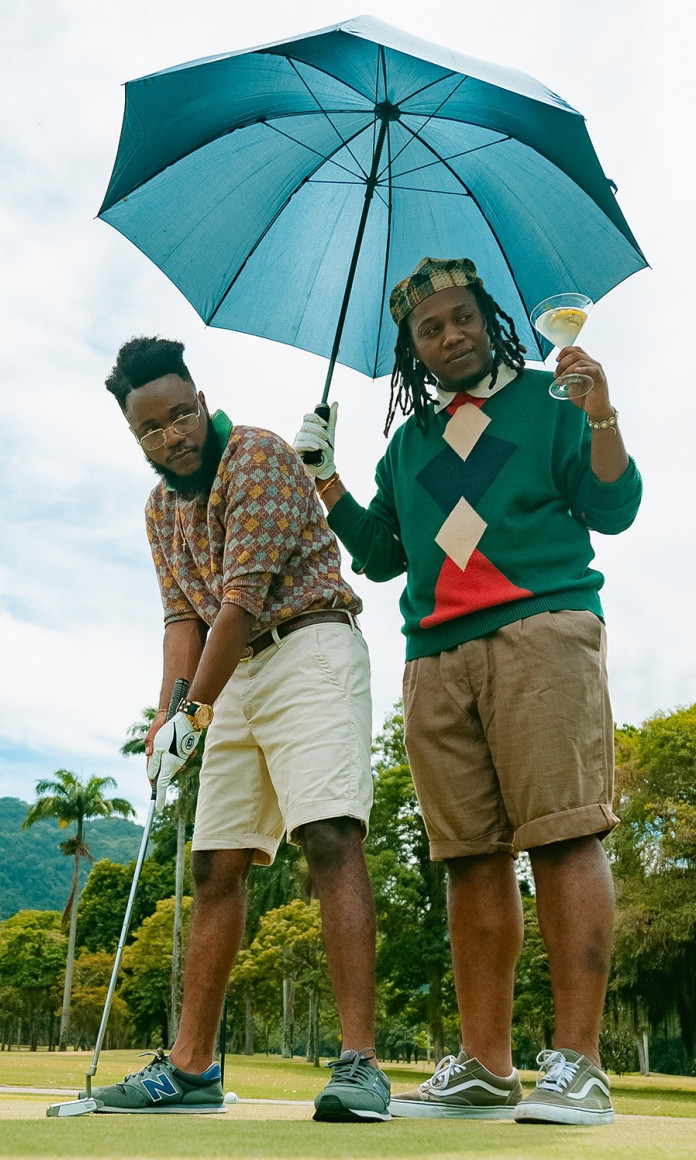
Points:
x=267 y=494
x=175 y=604
x=372 y=534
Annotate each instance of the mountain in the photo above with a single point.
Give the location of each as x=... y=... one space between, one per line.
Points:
x=34 y=875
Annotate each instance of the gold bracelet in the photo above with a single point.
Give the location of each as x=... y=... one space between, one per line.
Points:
x=335 y=478
x=604 y=424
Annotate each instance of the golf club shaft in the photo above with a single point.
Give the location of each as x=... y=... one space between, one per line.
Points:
x=180 y=689
x=223 y=1039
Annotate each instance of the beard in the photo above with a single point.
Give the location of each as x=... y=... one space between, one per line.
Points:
x=197 y=485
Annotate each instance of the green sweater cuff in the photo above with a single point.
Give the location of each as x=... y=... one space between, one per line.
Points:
x=344 y=515
x=621 y=491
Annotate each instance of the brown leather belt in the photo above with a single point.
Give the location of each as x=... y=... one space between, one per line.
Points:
x=320 y=617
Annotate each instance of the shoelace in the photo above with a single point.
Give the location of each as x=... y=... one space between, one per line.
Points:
x=158 y=1057
x=444 y=1071
x=346 y=1069
x=557 y=1071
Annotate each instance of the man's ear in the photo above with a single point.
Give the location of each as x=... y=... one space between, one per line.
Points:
x=201 y=400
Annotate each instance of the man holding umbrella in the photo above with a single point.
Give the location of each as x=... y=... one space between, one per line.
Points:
x=259 y=619
x=485 y=499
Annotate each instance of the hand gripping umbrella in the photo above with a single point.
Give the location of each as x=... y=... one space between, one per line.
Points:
x=286 y=189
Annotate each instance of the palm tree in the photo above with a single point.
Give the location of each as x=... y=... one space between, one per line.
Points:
x=68 y=799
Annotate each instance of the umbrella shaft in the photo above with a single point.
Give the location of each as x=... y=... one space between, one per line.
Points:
x=369 y=192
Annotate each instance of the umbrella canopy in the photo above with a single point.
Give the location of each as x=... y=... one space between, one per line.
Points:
x=286 y=189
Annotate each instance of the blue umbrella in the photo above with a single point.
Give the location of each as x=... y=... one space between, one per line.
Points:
x=286 y=189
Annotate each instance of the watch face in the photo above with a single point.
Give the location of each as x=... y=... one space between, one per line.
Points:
x=203 y=717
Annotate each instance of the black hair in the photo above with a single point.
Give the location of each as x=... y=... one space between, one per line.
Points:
x=411 y=378
x=142 y=360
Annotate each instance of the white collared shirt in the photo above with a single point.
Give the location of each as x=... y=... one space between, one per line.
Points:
x=482 y=389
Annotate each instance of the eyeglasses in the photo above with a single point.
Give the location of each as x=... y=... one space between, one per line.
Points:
x=156 y=439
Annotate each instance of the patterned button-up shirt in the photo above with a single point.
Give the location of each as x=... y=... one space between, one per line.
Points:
x=259 y=541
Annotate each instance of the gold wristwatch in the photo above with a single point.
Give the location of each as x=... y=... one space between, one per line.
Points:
x=199 y=715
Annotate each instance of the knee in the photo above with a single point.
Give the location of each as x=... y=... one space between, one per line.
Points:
x=217 y=873
x=557 y=854
x=479 y=869
x=330 y=845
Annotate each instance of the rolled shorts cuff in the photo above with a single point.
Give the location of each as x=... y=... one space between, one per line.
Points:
x=581 y=822
x=325 y=812
x=264 y=847
x=488 y=844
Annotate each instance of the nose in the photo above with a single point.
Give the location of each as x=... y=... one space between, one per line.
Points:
x=452 y=334
x=172 y=437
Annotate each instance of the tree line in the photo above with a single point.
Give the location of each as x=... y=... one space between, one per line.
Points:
x=279 y=998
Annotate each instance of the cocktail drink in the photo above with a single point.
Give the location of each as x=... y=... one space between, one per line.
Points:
x=560 y=319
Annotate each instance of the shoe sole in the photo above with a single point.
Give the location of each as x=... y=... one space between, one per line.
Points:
x=550 y=1114
x=331 y=1110
x=425 y=1111
x=173 y=1109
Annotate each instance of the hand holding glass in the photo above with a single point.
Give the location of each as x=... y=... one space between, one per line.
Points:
x=560 y=319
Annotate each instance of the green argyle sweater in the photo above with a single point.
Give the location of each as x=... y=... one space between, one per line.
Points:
x=488 y=512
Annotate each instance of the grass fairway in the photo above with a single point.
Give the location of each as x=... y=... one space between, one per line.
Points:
x=270 y=1077
x=233 y=1135
x=656 y=1118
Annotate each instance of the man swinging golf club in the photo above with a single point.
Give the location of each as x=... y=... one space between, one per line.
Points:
x=485 y=499
x=259 y=619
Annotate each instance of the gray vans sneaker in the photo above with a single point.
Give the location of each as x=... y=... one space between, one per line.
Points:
x=461 y=1086
x=161 y=1087
x=569 y=1090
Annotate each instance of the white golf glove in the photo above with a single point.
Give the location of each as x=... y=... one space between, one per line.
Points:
x=317 y=434
x=172 y=746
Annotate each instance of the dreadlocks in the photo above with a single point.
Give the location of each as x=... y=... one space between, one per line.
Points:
x=410 y=377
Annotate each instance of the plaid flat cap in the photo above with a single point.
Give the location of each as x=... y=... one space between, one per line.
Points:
x=429 y=276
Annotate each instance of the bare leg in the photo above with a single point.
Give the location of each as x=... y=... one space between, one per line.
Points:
x=575 y=905
x=336 y=862
x=486 y=931
x=216 y=933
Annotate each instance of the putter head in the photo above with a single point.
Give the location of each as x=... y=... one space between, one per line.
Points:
x=74 y=1108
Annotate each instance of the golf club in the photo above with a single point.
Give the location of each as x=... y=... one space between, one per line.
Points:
x=81 y=1107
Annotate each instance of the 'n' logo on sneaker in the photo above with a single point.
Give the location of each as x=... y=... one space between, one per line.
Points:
x=159 y=1086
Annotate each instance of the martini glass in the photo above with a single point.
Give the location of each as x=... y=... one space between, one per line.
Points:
x=560 y=319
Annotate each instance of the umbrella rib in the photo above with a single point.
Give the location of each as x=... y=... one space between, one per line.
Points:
x=433 y=114
x=267 y=228
x=325 y=157
x=431 y=85
x=322 y=181
x=324 y=113
x=380 y=59
x=473 y=197
x=381 y=63
x=439 y=192
x=453 y=156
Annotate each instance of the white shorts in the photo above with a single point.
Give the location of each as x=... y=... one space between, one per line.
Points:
x=289 y=743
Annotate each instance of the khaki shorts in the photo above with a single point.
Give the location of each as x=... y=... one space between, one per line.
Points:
x=289 y=742
x=510 y=737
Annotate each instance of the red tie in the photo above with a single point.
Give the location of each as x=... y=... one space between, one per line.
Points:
x=462 y=397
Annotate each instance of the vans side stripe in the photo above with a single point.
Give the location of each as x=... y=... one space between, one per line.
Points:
x=587 y=1087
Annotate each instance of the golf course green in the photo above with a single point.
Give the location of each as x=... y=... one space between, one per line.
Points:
x=656 y=1117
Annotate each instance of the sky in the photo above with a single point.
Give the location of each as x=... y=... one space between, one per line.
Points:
x=80 y=617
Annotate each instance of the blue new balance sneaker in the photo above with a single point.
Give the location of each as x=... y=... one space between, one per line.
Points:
x=161 y=1087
